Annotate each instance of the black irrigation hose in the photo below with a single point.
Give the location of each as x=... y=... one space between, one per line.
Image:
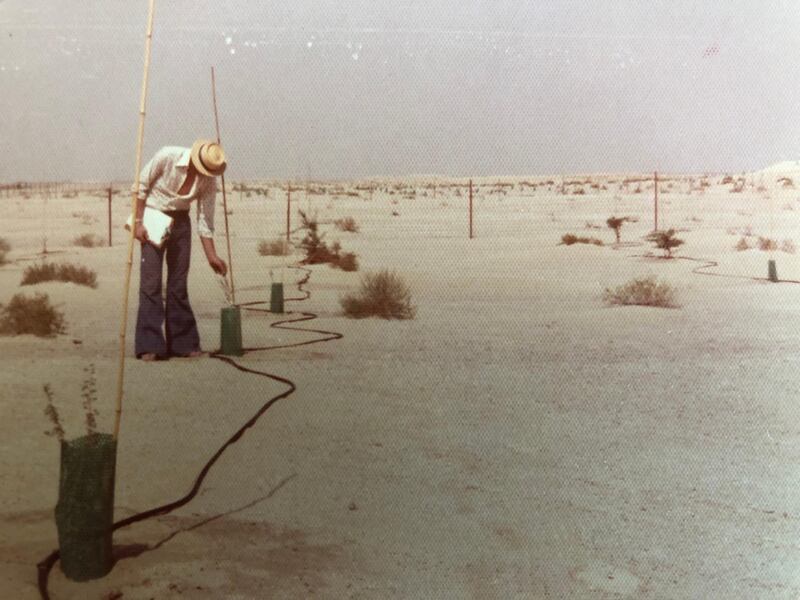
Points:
x=46 y=565
x=711 y=264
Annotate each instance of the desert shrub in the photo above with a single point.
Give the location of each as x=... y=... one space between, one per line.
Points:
x=277 y=247
x=570 y=238
x=742 y=244
x=383 y=294
x=767 y=244
x=788 y=247
x=5 y=248
x=84 y=217
x=664 y=240
x=346 y=224
x=66 y=272
x=738 y=186
x=644 y=291
x=786 y=182
x=88 y=240
x=346 y=261
x=34 y=315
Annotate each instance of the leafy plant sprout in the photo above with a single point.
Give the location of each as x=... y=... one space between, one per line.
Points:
x=51 y=413
x=89 y=394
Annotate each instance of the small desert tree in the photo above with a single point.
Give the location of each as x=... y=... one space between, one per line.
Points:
x=616 y=224
x=664 y=240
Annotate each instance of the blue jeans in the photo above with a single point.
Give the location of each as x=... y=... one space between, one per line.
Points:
x=181 y=328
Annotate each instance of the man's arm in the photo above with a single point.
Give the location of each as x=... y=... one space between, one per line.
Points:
x=205 y=226
x=214 y=260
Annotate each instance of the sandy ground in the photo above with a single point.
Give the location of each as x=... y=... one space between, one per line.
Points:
x=518 y=439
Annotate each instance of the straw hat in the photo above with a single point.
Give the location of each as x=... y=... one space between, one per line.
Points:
x=208 y=157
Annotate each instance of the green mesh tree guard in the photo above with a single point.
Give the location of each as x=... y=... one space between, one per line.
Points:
x=85 y=509
x=276 y=298
x=231 y=331
x=772 y=271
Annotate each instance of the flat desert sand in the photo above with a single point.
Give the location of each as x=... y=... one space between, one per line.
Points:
x=519 y=438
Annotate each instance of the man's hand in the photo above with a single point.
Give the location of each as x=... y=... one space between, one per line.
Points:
x=218 y=265
x=140 y=233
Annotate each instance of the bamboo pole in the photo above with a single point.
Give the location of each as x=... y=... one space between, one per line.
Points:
x=110 y=192
x=124 y=324
x=224 y=195
x=288 y=211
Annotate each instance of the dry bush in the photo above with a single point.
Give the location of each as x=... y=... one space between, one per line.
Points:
x=347 y=224
x=5 y=248
x=643 y=291
x=742 y=244
x=570 y=238
x=66 y=272
x=590 y=225
x=788 y=247
x=767 y=244
x=34 y=315
x=88 y=240
x=277 y=247
x=383 y=294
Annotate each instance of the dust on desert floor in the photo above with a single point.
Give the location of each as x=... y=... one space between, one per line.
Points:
x=518 y=438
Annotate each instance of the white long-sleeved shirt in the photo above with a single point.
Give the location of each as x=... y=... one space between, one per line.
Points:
x=163 y=176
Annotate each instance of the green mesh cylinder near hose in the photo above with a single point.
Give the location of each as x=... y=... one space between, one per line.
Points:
x=276 y=298
x=85 y=509
x=772 y=271
x=231 y=331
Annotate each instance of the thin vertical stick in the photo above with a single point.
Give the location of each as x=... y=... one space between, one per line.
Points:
x=124 y=324
x=110 y=192
x=224 y=196
x=288 y=211
x=45 y=224
x=470 y=209
x=655 y=201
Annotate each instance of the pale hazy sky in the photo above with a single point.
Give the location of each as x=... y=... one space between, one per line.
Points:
x=325 y=88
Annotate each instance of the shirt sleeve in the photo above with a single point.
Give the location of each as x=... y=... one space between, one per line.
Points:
x=205 y=209
x=149 y=175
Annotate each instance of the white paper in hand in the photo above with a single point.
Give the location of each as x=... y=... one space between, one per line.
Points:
x=157 y=224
